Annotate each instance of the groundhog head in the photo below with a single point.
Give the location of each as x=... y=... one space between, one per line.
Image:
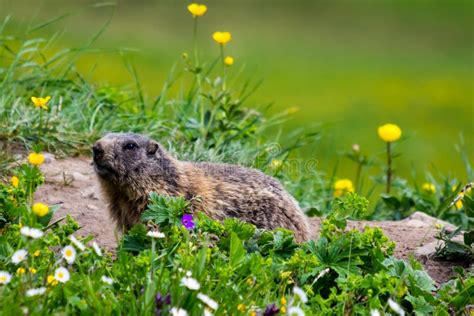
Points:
x=129 y=159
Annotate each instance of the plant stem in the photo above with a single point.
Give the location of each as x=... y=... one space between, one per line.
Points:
x=223 y=67
x=389 y=167
x=358 y=172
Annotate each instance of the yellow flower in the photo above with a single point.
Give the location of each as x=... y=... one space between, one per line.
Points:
x=15 y=181
x=20 y=271
x=283 y=301
x=229 y=61
x=253 y=313
x=276 y=163
x=36 y=253
x=428 y=187
x=438 y=225
x=41 y=102
x=32 y=270
x=343 y=186
x=51 y=280
x=40 y=209
x=283 y=310
x=36 y=159
x=222 y=38
x=389 y=132
x=249 y=281
x=241 y=307
x=197 y=9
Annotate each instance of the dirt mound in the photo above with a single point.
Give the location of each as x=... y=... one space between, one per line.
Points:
x=71 y=183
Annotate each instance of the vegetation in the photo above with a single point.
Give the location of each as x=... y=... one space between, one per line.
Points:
x=175 y=261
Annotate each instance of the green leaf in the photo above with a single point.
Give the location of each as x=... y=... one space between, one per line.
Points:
x=237 y=251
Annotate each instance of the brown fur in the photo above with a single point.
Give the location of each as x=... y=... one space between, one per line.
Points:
x=129 y=173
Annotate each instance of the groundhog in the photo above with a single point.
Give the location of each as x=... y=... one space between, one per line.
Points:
x=131 y=166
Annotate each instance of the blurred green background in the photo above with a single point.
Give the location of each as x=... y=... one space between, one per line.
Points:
x=348 y=66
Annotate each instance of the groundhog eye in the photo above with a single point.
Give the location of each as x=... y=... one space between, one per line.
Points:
x=130 y=146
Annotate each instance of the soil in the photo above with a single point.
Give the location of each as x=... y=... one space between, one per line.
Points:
x=72 y=184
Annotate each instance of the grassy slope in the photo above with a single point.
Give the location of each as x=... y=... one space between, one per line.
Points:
x=351 y=66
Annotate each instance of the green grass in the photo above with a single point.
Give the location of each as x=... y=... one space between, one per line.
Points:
x=348 y=66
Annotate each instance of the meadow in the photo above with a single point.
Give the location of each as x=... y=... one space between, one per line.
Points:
x=60 y=93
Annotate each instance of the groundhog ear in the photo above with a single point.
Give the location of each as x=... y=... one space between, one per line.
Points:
x=152 y=147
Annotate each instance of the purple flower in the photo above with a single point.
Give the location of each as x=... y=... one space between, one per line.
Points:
x=271 y=310
x=160 y=302
x=187 y=221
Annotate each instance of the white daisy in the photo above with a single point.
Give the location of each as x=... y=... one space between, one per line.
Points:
x=300 y=293
x=5 y=277
x=19 y=256
x=189 y=273
x=97 y=249
x=395 y=307
x=155 y=234
x=25 y=231
x=294 y=310
x=69 y=253
x=176 y=311
x=107 y=280
x=374 y=312
x=34 y=292
x=62 y=275
x=36 y=233
x=208 y=301
x=190 y=283
x=77 y=243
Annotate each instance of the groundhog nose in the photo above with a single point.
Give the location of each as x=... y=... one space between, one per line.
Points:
x=97 y=150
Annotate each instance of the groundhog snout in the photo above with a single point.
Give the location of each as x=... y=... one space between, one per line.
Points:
x=98 y=151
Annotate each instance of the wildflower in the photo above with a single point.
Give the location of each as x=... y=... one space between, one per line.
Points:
x=15 y=181
x=222 y=38
x=275 y=163
x=20 y=271
x=343 y=186
x=5 y=277
x=19 y=256
x=69 y=254
x=229 y=61
x=40 y=209
x=283 y=301
x=97 y=249
x=62 y=275
x=36 y=253
x=395 y=307
x=249 y=281
x=428 y=187
x=51 y=280
x=107 y=280
x=197 y=9
x=207 y=312
x=356 y=148
x=36 y=159
x=271 y=310
x=155 y=234
x=253 y=313
x=160 y=302
x=32 y=270
x=189 y=273
x=34 y=292
x=176 y=311
x=190 y=283
x=389 y=132
x=283 y=310
x=293 y=310
x=439 y=226
x=374 y=312
x=208 y=301
x=77 y=243
x=187 y=221
x=241 y=307
x=300 y=293
x=41 y=102
x=34 y=233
